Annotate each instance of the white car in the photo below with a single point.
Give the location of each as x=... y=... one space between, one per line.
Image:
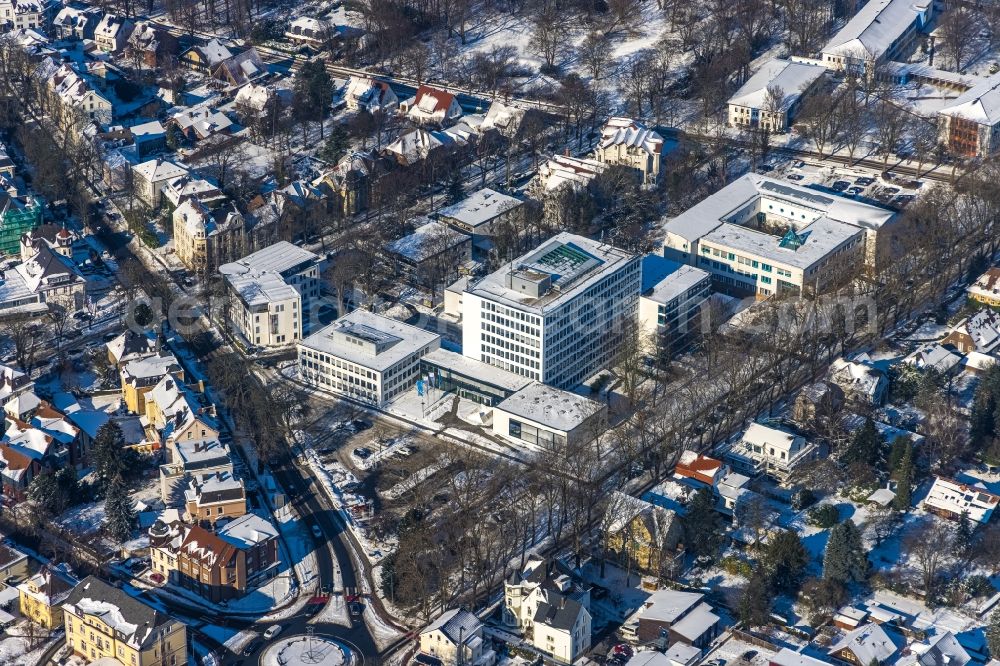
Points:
x=272 y=631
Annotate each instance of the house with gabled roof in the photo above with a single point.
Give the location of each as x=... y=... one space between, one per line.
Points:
x=771 y=97
x=20 y=14
x=986 y=288
x=206 y=57
x=431 y=106
x=152 y=45
x=241 y=68
x=644 y=533
x=628 y=142
x=868 y=644
x=456 y=637
x=41 y=596
x=112 y=33
x=970 y=124
x=941 y=649
x=979 y=332
x=950 y=499
x=681 y=617
x=364 y=93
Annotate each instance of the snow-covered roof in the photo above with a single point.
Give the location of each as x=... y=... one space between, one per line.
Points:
x=817 y=241
x=696 y=623
x=203 y=120
x=433 y=104
x=858 y=376
x=792 y=78
x=551 y=407
x=561 y=170
x=248 y=530
x=762 y=435
x=670 y=279
x=415 y=145
x=159 y=170
x=282 y=257
x=369 y=340
x=150 y=366
x=470 y=367
x=983 y=328
x=504 y=118
x=955 y=498
x=669 y=605
x=370 y=94
x=980 y=104
x=133 y=621
x=458 y=624
x=481 y=207
x=426 y=241
x=876 y=27
x=572 y=263
x=631 y=134
x=933 y=355
x=867 y=643
x=214 y=52
x=261 y=289
x=789 y=657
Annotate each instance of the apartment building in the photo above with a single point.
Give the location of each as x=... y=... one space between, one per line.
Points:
x=455 y=638
x=140 y=376
x=215 y=496
x=204 y=237
x=152 y=177
x=557 y=314
x=188 y=460
x=970 y=125
x=271 y=292
x=365 y=356
x=771 y=97
x=104 y=622
x=671 y=302
x=771 y=452
x=22 y=14
x=41 y=596
x=759 y=235
x=629 y=143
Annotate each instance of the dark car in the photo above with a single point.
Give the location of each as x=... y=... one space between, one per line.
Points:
x=73 y=334
x=795 y=176
x=355 y=608
x=360 y=424
x=362 y=452
x=864 y=181
x=840 y=185
x=748 y=655
x=251 y=648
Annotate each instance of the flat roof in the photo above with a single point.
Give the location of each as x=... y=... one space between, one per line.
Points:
x=712 y=211
x=262 y=289
x=280 y=257
x=482 y=372
x=403 y=339
x=480 y=207
x=792 y=78
x=819 y=239
x=573 y=262
x=551 y=407
x=663 y=280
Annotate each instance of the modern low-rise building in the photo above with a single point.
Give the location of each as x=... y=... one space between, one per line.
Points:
x=483 y=214
x=771 y=97
x=548 y=418
x=365 y=356
x=556 y=314
x=629 y=143
x=104 y=622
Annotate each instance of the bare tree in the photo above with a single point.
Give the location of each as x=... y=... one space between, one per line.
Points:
x=595 y=54
x=927 y=544
x=959 y=29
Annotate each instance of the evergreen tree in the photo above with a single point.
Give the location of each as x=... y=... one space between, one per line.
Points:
x=702 y=524
x=982 y=421
x=44 y=492
x=109 y=457
x=336 y=144
x=785 y=561
x=963 y=536
x=865 y=446
x=119 y=511
x=993 y=634
x=896 y=453
x=845 y=559
x=904 y=479
x=755 y=600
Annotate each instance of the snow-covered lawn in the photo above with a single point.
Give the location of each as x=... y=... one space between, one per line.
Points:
x=307 y=650
x=14 y=647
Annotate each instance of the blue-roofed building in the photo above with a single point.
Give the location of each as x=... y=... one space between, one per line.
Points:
x=671 y=302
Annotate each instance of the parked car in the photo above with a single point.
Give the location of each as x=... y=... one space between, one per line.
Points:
x=251 y=648
x=864 y=181
x=795 y=176
x=317 y=532
x=272 y=631
x=362 y=452
x=840 y=185
x=855 y=190
x=360 y=425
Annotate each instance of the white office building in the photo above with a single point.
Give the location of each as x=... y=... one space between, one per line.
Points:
x=270 y=293
x=555 y=315
x=365 y=356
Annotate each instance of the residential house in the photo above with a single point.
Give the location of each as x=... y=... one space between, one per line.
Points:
x=969 y=126
x=141 y=375
x=180 y=413
x=771 y=452
x=367 y=94
x=41 y=597
x=950 y=498
x=482 y=215
x=700 y=468
x=986 y=288
x=112 y=33
x=197 y=123
x=941 y=649
x=271 y=292
x=13 y=383
x=347 y=186
x=771 y=97
x=241 y=68
x=176 y=190
x=309 y=31
x=540 y=416
x=152 y=45
x=505 y=119
x=75 y=100
x=573 y=172
x=677 y=616
x=979 y=332
x=206 y=57
x=867 y=645
x=551 y=607
x=416 y=145
x=789 y=657
x=431 y=106
x=76 y=23
x=644 y=534
x=152 y=176
x=365 y=356
x=212 y=497
x=48 y=277
x=628 y=143
x=186 y=460
x=819 y=400
x=21 y=14
x=105 y=622
x=860 y=380
x=13 y=566
x=934 y=355
x=671 y=302
x=132 y=345
x=455 y=638
x=205 y=238
x=58 y=238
